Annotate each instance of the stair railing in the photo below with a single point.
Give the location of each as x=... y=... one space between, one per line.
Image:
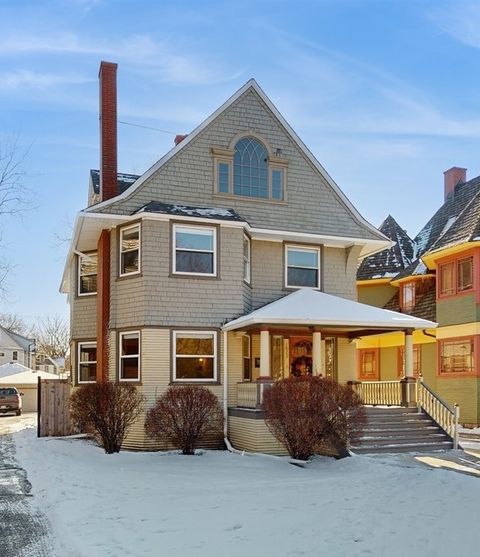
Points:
x=381 y=393
x=445 y=415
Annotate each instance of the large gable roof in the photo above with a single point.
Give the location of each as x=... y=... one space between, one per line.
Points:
x=249 y=86
x=389 y=262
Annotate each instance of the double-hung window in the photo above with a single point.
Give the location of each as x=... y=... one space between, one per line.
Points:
x=129 y=250
x=194 y=250
x=87 y=362
x=457 y=356
x=246 y=354
x=302 y=267
x=464 y=274
x=87 y=274
x=195 y=356
x=408 y=296
x=455 y=276
x=368 y=364
x=129 y=365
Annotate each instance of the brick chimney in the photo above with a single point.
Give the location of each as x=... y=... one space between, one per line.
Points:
x=452 y=177
x=108 y=130
x=179 y=138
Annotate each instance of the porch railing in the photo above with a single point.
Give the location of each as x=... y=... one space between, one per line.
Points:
x=381 y=393
x=250 y=395
x=445 y=415
x=405 y=393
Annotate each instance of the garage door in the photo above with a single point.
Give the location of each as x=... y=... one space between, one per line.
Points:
x=29 y=399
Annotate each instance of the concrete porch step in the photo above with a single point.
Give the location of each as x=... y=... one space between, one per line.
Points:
x=405 y=429
x=403 y=440
x=390 y=410
x=403 y=448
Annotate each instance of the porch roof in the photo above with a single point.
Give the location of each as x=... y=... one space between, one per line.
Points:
x=308 y=307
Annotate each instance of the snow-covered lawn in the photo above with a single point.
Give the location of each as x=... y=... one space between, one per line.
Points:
x=223 y=504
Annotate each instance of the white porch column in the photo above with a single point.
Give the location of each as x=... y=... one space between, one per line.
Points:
x=317 y=353
x=265 y=370
x=408 y=354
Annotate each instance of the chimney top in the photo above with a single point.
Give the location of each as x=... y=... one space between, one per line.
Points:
x=452 y=177
x=179 y=138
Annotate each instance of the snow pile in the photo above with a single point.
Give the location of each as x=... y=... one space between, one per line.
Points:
x=219 y=503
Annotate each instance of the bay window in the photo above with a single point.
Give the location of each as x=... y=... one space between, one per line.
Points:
x=194 y=250
x=194 y=356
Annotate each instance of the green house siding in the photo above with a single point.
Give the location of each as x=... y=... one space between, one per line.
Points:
x=464 y=391
x=388 y=364
x=376 y=295
x=457 y=310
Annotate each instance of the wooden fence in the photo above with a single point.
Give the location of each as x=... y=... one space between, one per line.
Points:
x=53 y=407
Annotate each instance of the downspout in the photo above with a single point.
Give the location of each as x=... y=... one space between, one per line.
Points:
x=225 y=386
x=428 y=334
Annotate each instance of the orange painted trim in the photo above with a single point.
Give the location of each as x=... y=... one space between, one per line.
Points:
x=373 y=282
x=454 y=259
x=401 y=296
x=476 y=357
x=376 y=359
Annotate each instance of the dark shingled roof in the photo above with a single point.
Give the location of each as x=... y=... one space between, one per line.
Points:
x=389 y=262
x=416 y=268
x=124 y=181
x=447 y=227
x=425 y=305
x=218 y=213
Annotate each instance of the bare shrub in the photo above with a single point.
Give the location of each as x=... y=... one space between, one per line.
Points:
x=312 y=415
x=184 y=414
x=107 y=410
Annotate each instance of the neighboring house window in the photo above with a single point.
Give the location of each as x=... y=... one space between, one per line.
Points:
x=408 y=296
x=195 y=250
x=465 y=274
x=195 y=354
x=447 y=279
x=87 y=274
x=416 y=361
x=368 y=364
x=249 y=171
x=130 y=250
x=246 y=352
x=302 y=267
x=246 y=258
x=87 y=362
x=455 y=276
x=2 y=354
x=457 y=356
x=15 y=355
x=129 y=365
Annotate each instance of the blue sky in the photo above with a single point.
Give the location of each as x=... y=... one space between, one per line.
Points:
x=385 y=94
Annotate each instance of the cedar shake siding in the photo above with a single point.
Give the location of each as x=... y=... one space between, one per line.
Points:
x=311 y=204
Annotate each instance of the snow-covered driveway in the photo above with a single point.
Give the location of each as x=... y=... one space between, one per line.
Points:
x=218 y=503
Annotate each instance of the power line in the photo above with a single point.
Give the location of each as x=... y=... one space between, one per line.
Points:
x=146 y=127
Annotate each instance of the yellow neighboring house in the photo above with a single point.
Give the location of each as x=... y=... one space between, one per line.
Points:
x=435 y=276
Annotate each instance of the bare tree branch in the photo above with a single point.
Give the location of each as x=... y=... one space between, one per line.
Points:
x=13 y=322
x=52 y=335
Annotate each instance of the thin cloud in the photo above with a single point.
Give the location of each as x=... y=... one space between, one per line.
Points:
x=160 y=59
x=21 y=79
x=460 y=20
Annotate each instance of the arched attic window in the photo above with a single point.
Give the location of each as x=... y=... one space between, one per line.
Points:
x=250 y=168
x=247 y=170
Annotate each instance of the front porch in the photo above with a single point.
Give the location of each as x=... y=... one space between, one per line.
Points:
x=312 y=333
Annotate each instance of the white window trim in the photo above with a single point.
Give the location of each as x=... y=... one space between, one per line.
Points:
x=80 y=344
x=174 y=250
x=319 y=265
x=121 y=357
x=80 y=257
x=247 y=279
x=249 y=357
x=214 y=379
x=122 y=230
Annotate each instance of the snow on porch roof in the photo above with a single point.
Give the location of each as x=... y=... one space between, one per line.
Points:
x=310 y=307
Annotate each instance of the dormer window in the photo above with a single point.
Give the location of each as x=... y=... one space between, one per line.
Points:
x=248 y=169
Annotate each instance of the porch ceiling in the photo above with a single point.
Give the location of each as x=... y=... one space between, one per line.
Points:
x=310 y=308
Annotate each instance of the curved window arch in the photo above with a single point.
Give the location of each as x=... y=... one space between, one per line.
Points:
x=250 y=168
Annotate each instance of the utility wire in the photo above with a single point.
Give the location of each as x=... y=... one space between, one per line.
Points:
x=146 y=127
